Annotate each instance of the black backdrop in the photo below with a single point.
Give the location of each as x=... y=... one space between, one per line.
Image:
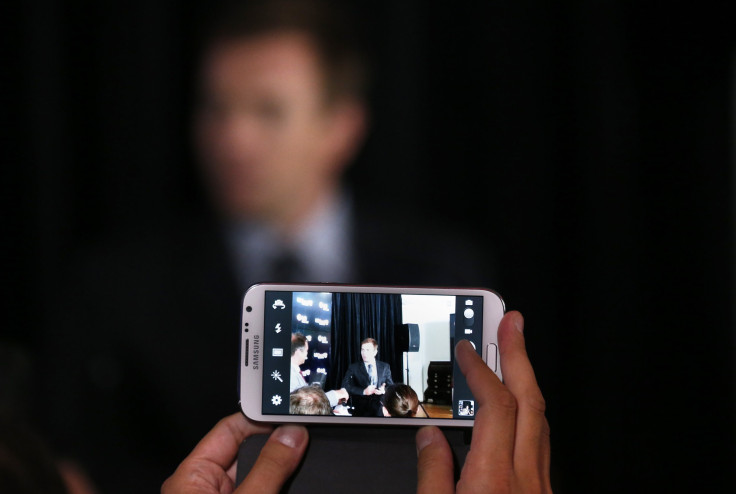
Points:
x=357 y=316
x=588 y=144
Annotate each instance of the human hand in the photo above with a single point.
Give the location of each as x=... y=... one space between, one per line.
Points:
x=510 y=449
x=210 y=467
x=342 y=395
x=369 y=390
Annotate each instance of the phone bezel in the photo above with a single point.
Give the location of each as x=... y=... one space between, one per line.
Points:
x=252 y=329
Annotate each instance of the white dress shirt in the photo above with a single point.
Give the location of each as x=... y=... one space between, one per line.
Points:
x=297 y=381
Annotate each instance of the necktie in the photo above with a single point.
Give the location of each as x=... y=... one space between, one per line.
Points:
x=370 y=373
x=286 y=267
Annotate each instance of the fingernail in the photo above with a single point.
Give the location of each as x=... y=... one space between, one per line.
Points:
x=463 y=342
x=425 y=437
x=290 y=435
x=519 y=323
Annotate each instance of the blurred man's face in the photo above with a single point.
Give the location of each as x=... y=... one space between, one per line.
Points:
x=368 y=353
x=265 y=134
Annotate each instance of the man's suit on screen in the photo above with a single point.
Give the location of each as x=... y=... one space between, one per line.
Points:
x=357 y=379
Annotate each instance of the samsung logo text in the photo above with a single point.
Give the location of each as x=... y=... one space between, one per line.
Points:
x=256 y=352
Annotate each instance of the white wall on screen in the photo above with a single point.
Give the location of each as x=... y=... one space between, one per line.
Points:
x=432 y=314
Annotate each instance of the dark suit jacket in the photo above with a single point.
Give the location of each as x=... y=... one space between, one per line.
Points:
x=142 y=356
x=356 y=378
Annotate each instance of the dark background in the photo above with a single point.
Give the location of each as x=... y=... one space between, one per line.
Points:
x=589 y=145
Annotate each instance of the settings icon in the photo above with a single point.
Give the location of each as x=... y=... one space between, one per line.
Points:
x=276 y=400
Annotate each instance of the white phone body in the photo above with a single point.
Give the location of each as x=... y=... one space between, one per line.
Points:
x=414 y=340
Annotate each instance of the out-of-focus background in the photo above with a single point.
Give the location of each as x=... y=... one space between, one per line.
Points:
x=588 y=145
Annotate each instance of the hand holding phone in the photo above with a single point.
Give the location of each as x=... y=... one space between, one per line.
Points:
x=209 y=468
x=510 y=445
x=510 y=442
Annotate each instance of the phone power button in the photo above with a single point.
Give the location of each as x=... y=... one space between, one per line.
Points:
x=492 y=356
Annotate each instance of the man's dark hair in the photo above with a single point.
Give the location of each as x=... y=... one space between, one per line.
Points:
x=325 y=23
x=298 y=341
x=371 y=341
x=309 y=400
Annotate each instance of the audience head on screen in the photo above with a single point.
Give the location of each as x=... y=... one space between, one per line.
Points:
x=400 y=400
x=309 y=400
x=281 y=107
x=369 y=350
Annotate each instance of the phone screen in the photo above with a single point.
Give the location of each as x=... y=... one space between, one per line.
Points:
x=367 y=354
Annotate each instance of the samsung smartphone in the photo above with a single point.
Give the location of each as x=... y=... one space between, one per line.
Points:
x=347 y=354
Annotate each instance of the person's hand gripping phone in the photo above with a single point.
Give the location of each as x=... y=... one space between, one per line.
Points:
x=509 y=453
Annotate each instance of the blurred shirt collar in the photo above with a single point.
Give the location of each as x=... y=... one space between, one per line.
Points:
x=322 y=246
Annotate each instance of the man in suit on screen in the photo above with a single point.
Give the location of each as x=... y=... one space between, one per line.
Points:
x=369 y=377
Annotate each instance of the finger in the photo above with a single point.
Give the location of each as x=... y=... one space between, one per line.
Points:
x=544 y=484
x=531 y=451
x=211 y=462
x=434 y=464
x=278 y=459
x=221 y=444
x=491 y=450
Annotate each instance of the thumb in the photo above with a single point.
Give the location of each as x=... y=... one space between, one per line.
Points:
x=434 y=462
x=279 y=458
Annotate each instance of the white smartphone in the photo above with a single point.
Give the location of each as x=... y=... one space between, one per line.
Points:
x=347 y=354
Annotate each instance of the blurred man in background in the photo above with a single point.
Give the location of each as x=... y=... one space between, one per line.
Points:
x=281 y=114
x=144 y=356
